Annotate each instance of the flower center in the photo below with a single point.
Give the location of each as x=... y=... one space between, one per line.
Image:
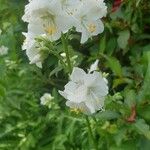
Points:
x=50 y=30
x=49 y=22
x=91 y=27
x=91 y=93
x=77 y=110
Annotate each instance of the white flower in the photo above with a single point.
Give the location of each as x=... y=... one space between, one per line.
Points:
x=46 y=99
x=53 y=17
x=3 y=50
x=88 y=17
x=85 y=91
x=32 y=50
x=94 y=66
x=47 y=18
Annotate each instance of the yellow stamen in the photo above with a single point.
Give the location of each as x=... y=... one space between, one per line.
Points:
x=76 y=110
x=91 y=27
x=50 y=30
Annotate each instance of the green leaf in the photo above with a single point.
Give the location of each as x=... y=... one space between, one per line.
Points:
x=120 y=136
x=111 y=45
x=130 y=97
x=107 y=115
x=144 y=94
x=142 y=128
x=144 y=112
x=102 y=44
x=115 y=66
x=123 y=39
x=59 y=141
x=2 y=91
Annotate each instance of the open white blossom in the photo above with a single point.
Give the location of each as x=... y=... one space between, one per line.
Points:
x=88 y=17
x=53 y=17
x=46 y=17
x=85 y=91
x=3 y=50
x=46 y=99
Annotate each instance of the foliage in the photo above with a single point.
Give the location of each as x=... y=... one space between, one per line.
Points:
x=124 y=52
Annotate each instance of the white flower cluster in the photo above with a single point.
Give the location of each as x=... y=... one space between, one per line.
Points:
x=86 y=91
x=51 y=18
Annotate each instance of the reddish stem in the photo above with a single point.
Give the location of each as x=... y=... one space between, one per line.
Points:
x=132 y=117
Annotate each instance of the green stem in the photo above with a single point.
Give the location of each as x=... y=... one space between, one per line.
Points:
x=90 y=133
x=58 y=56
x=65 y=45
x=53 y=51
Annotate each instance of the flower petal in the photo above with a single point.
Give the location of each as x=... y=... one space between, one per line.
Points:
x=77 y=74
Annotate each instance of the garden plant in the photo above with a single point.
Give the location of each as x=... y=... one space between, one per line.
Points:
x=74 y=75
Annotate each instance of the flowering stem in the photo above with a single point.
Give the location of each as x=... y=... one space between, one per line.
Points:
x=52 y=50
x=55 y=54
x=58 y=56
x=90 y=133
x=65 y=45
